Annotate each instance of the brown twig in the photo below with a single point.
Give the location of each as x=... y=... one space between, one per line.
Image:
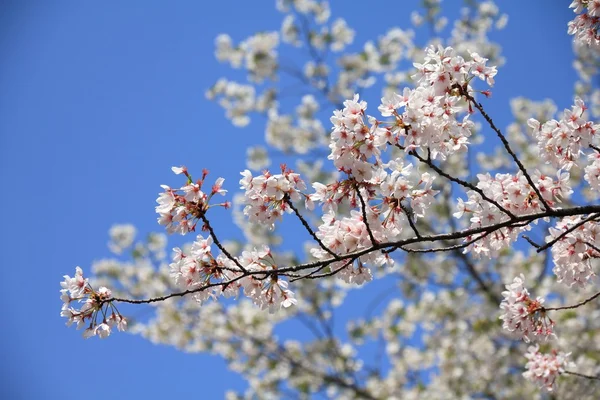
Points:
x=490 y=122
x=364 y=213
x=597 y=378
x=308 y=228
x=523 y=220
x=571 y=307
x=466 y=184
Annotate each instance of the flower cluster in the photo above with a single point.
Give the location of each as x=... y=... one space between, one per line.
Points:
x=431 y=116
x=258 y=54
x=95 y=305
x=573 y=252
x=543 y=369
x=347 y=235
x=354 y=142
x=585 y=26
x=266 y=195
x=561 y=142
x=592 y=171
x=206 y=276
x=270 y=292
x=300 y=132
x=180 y=209
x=522 y=315
x=515 y=195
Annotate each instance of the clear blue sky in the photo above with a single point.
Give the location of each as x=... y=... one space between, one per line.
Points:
x=97 y=101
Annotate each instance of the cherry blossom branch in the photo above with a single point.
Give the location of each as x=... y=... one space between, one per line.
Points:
x=308 y=228
x=442 y=249
x=505 y=143
x=313 y=276
x=179 y=294
x=597 y=378
x=331 y=273
x=364 y=213
x=531 y=242
x=218 y=243
x=461 y=182
x=492 y=295
x=525 y=219
x=593 y=247
x=410 y=221
x=595 y=148
x=571 y=307
x=566 y=232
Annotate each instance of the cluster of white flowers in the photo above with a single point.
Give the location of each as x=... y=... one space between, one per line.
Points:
x=573 y=253
x=180 y=209
x=592 y=171
x=354 y=142
x=471 y=30
x=543 y=369
x=516 y=196
x=300 y=133
x=524 y=316
x=121 y=237
x=562 y=142
x=585 y=26
x=347 y=235
x=271 y=293
x=430 y=120
x=318 y=8
x=257 y=54
x=78 y=288
x=239 y=100
x=209 y=277
x=266 y=195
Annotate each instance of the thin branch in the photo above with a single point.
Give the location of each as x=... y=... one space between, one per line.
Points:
x=525 y=219
x=410 y=221
x=566 y=232
x=574 y=305
x=593 y=247
x=531 y=242
x=597 y=378
x=218 y=243
x=506 y=145
x=308 y=228
x=595 y=148
x=176 y=294
x=466 y=184
x=364 y=213
x=332 y=273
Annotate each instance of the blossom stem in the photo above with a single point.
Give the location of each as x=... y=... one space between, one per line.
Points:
x=218 y=243
x=582 y=303
x=364 y=213
x=466 y=184
x=308 y=228
x=597 y=378
x=566 y=232
x=490 y=122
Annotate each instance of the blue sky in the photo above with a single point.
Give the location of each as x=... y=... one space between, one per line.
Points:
x=98 y=100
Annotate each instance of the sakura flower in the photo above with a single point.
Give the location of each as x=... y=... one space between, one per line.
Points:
x=523 y=316
x=266 y=195
x=543 y=369
x=573 y=253
x=95 y=303
x=180 y=209
x=102 y=330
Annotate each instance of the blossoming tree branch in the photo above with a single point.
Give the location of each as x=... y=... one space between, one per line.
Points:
x=398 y=198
